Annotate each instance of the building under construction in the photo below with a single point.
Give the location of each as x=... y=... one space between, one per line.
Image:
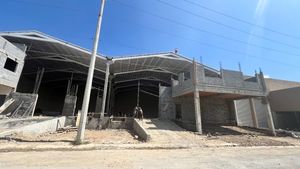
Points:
x=42 y=75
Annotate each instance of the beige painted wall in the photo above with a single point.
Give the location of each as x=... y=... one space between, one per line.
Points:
x=285 y=100
x=275 y=84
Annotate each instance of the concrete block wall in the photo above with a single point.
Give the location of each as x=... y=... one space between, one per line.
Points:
x=215 y=110
x=232 y=78
x=229 y=81
x=9 y=79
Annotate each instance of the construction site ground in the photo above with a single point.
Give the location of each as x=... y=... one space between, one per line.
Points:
x=224 y=157
x=164 y=135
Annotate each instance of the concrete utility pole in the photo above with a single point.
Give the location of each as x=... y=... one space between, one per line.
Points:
x=88 y=86
x=197 y=100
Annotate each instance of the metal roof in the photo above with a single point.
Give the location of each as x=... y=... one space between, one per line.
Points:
x=57 y=55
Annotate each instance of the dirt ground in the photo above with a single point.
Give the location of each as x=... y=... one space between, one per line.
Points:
x=109 y=136
x=213 y=136
x=246 y=136
x=225 y=158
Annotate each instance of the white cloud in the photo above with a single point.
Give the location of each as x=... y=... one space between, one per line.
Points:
x=260 y=9
x=259 y=19
x=267 y=76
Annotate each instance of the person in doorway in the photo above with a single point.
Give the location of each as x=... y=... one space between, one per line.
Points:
x=135 y=112
x=140 y=113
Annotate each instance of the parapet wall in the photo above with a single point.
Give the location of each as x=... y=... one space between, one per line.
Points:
x=228 y=81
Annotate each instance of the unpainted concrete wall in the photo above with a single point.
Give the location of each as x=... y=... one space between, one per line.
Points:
x=140 y=131
x=44 y=126
x=69 y=105
x=7 y=77
x=166 y=104
x=5 y=90
x=229 y=81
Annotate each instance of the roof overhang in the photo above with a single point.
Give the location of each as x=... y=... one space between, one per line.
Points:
x=58 y=55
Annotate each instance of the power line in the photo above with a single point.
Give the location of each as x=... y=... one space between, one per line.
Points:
x=212 y=33
x=241 y=20
x=206 y=44
x=225 y=25
x=198 y=42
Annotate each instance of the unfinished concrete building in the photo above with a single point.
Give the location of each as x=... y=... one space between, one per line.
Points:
x=11 y=65
x=166 y=85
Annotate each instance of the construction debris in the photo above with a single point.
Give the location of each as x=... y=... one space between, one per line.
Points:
x=19 y=105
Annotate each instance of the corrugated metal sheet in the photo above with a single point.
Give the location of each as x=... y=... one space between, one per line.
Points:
x=261 y=113
x=243 y=112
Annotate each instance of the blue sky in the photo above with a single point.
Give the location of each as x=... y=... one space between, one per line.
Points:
x=197 y=28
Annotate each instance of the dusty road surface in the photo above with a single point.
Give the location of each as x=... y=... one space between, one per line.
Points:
x=233 y=157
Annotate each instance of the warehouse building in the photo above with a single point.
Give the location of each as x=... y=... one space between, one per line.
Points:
x=166 y=85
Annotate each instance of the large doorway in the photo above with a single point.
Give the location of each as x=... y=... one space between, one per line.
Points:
x=126 y=98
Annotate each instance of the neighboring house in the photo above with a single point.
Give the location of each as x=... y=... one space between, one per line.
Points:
x=284 y=97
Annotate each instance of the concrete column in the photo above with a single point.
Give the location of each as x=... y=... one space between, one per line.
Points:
x=197 y=101
x=109 y=95
x=197 y=112
x=38 y=80
x=270 y=117
x=253 y=113
x=138 y=95
x=181 y=78
x=105 y=89
x=98 y=105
